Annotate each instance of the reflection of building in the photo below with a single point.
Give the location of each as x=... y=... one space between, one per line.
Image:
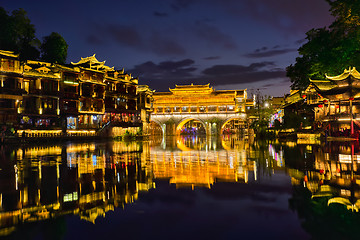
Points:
x=335 y=174
x=82 y=179
x=211 y=108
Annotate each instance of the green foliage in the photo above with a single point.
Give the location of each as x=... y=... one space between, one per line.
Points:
x=329 y=50
x=18 y=34
x=54 y=49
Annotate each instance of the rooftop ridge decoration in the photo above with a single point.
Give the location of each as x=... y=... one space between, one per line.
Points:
x=343 y=86
x=347 y=72
x=91 y=59
x=93 y=63
x=9 y=53
x=192 y=88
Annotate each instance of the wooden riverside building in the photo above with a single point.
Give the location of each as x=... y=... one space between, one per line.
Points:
x=82 y=98
x=336 y=103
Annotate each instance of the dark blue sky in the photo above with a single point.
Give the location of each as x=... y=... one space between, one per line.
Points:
x=231 y=44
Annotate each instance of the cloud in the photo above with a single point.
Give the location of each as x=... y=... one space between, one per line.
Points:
x=240 y=74
x=178 y=5
x=133 y=37
x=165 y=70
x=94 y=40
x=226 y=70
x=164 y=74
x=288 y=16
x=269 y=53
x=214 y=36
x=300 y=41
x=160 y=14
x=212 y=58
x=125 y=35
x=165 y=46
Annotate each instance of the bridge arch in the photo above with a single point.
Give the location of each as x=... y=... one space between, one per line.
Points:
x=183 y=121
x=157 y=123
x=228 y=120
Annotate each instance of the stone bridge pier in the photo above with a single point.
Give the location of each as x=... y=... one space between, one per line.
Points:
x=171 y=124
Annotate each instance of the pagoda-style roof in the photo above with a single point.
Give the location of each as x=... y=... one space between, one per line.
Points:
x=343 y=86
x=40 y=69
x=92 y=63
x=191 y=89
x=9 y=54
x=323 y=85
x=347 y=73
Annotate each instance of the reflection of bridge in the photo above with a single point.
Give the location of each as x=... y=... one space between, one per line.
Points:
x=213 y=109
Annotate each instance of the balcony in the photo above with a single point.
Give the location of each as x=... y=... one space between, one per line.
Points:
x=70 y=95
x=11 y=91
x=50 y=111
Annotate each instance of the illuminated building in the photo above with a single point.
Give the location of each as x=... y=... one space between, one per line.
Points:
x=40 y=106
x=70 y=95
x=212 y=109
x=145 y=104
x=10 y=87
x=86 y=98
x=121 y=110
x=92 y=92
x=335 y=101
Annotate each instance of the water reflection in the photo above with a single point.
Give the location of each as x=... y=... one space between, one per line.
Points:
x=39 y=183
x=191 y=161
x=89 y=180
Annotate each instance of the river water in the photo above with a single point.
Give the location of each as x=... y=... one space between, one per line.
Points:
x=186 y=187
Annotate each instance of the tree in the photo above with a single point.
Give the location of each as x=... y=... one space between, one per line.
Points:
x=262 y=111
x=18 y=34
x=54 y=48
x=329 y=50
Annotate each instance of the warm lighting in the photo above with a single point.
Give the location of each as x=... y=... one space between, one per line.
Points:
x=72 y=83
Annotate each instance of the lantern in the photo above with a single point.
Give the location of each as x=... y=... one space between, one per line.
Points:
x=351 y=99
x=303 y=96
x=320 y=105
x=336 y=106
x=325 y=101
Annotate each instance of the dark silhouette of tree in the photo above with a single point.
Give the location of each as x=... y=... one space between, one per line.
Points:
x=329 y=50
x=18 y=34
x=54 y=48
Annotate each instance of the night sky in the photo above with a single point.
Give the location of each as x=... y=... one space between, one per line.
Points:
x=231 y=44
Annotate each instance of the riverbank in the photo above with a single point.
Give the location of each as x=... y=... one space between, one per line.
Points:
x=65 y=138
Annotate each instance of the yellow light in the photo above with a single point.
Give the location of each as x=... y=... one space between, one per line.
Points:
x=72 y=83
